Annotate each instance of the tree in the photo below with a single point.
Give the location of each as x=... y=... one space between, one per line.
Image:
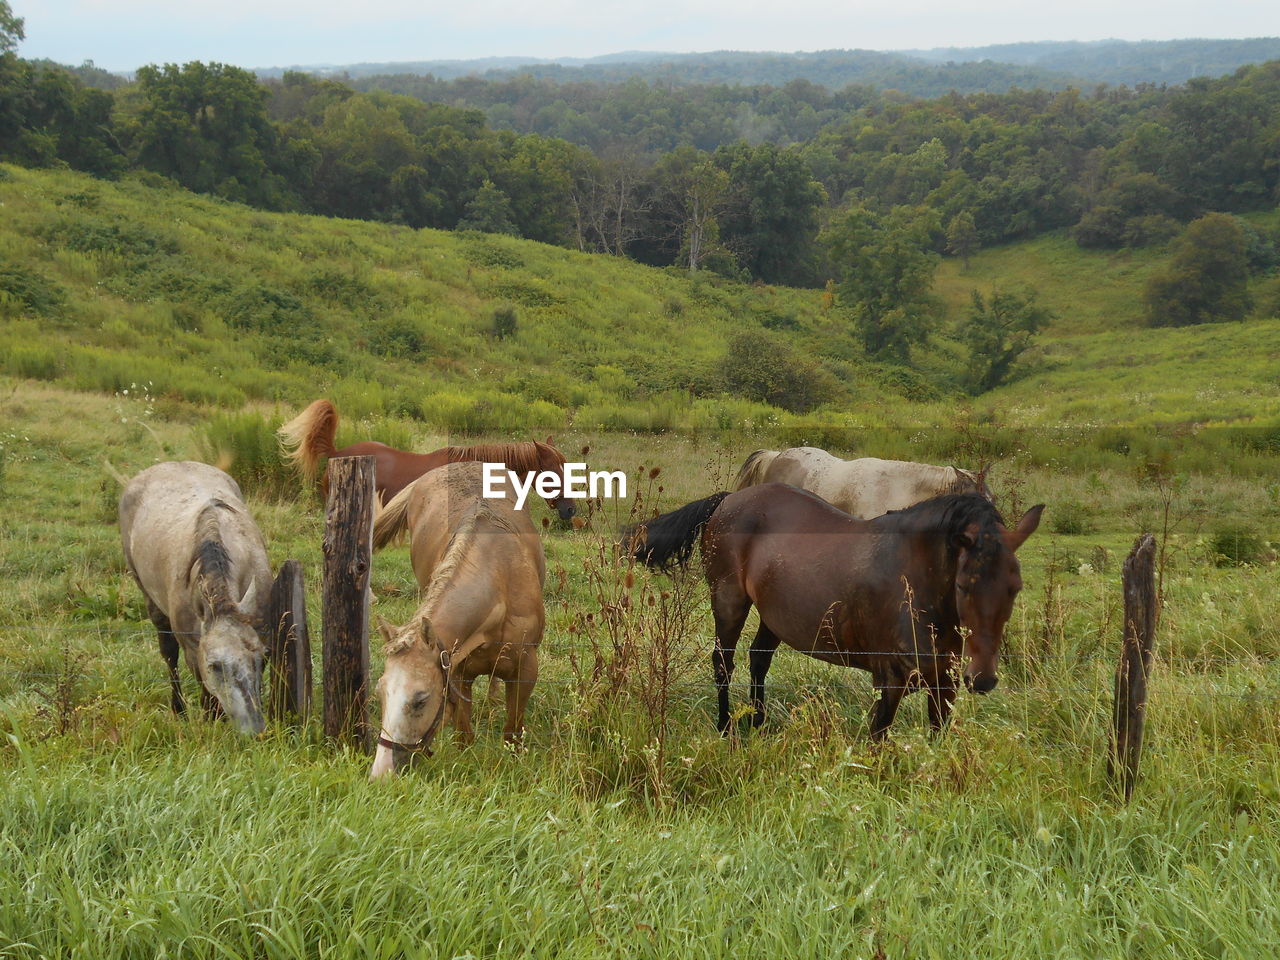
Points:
x=489 y=211
x=11 y=29
x=762 y=367
x=1207 y=281
x=694 y=194
x=206 y=126
x=962 y=236
x=997 y=332
x=884 y=269
x=771 y=215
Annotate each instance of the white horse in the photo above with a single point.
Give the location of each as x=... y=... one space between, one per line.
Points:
x=863 y=488
x=202 y=565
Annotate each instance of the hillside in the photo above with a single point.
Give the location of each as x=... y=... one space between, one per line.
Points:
x=926 y=73
x=116 y=285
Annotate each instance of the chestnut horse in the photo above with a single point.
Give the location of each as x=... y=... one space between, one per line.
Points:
x=480 y=564
x=310 y=435
x=915 y=596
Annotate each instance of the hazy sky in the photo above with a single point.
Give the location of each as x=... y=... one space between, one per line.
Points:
x=123 y=34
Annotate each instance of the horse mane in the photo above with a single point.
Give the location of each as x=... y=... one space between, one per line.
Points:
x=458 y=556
x=950 y=515
x=211 y=563
x=522 y=456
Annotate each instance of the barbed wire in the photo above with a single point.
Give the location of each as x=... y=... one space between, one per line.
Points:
x=604 y=645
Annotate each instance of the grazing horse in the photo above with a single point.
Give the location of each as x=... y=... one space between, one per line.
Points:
x=202 y=565
x=863 y=488
x=310 y=435
x=481 y=565
x=914 y=596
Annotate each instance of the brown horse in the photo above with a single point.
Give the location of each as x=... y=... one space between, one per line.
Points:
x=310 y=435
x=480 y=563
x=914 y=596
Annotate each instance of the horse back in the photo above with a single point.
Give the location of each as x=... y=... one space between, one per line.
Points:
x=160 y=531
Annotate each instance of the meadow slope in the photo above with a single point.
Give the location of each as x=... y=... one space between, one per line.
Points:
x=166 y=324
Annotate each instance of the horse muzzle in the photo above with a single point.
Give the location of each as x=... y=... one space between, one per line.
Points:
x=982 y=683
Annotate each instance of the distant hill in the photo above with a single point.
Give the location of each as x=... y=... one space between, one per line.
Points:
x=1120 y=61
x=925 y=73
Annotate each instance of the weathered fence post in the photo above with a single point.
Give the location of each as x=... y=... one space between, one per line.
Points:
x=348 y=546
x=1130 y=711
x=290 y=644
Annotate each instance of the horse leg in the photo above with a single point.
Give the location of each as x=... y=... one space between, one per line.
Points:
x=169 y=651
x=891 y=688
x=762 y=650
x=941 y=700
x=518 y=689
x=462 y=715
x=729 y=606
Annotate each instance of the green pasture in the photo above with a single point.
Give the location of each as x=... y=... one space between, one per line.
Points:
x=626 y=826
x=141 y=323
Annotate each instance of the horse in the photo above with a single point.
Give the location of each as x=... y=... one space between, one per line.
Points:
x=201 y=563
x=310 y=435
x=481 y=565
x=863 y=488
x=914 y=596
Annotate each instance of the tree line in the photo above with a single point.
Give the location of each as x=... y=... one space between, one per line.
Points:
x=858 y=189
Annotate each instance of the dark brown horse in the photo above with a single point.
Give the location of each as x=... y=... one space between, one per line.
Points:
x=916 y=596
x=309 y=436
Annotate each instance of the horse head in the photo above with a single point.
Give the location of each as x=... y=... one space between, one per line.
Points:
x=988 y=579
x=413 y=692
x=230 y=657
x=552 y=460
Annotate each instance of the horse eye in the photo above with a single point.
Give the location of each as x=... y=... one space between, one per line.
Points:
x=420 y=700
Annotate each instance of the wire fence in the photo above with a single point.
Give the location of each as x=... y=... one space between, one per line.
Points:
x=589 y=657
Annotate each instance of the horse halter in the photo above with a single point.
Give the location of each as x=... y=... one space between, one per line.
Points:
x=424 y=743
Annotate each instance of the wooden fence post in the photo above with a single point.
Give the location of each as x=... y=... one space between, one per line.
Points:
x=348 y=547
x=290 y=645
x=1130 y=711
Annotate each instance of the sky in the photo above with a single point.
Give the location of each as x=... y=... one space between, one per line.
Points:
x=125 y=34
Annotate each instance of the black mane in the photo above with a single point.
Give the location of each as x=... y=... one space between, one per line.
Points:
x=948 y=516
x=210 y=561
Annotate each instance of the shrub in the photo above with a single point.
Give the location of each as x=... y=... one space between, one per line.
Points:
x=30 y=291
x=1236 y=544
x=761 y=367
x=245 y=446
x=399 y=336
x=505 y=321
x=1071 y=517
x=32 y=363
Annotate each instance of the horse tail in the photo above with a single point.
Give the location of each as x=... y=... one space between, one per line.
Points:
x=669 y=539
x=116 y=475
x=309 y=436
x=754 y=468
x=392 y=520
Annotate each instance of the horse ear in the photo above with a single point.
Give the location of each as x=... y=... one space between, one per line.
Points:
x=246 y=602
x=1026 y=526
x=387 y=630
x=203 y=603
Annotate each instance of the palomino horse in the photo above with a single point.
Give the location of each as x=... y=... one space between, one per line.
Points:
x=914 y=596
x=202 y=566
x=481 y=564
x=863 y=488
x=309 y=436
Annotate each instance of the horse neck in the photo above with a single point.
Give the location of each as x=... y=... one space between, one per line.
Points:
x=462 y=560
x=211 y=566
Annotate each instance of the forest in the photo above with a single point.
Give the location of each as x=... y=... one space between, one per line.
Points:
x=797 y=184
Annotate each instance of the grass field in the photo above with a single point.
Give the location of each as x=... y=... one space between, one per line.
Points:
x=140 y=323
x=125 y=832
